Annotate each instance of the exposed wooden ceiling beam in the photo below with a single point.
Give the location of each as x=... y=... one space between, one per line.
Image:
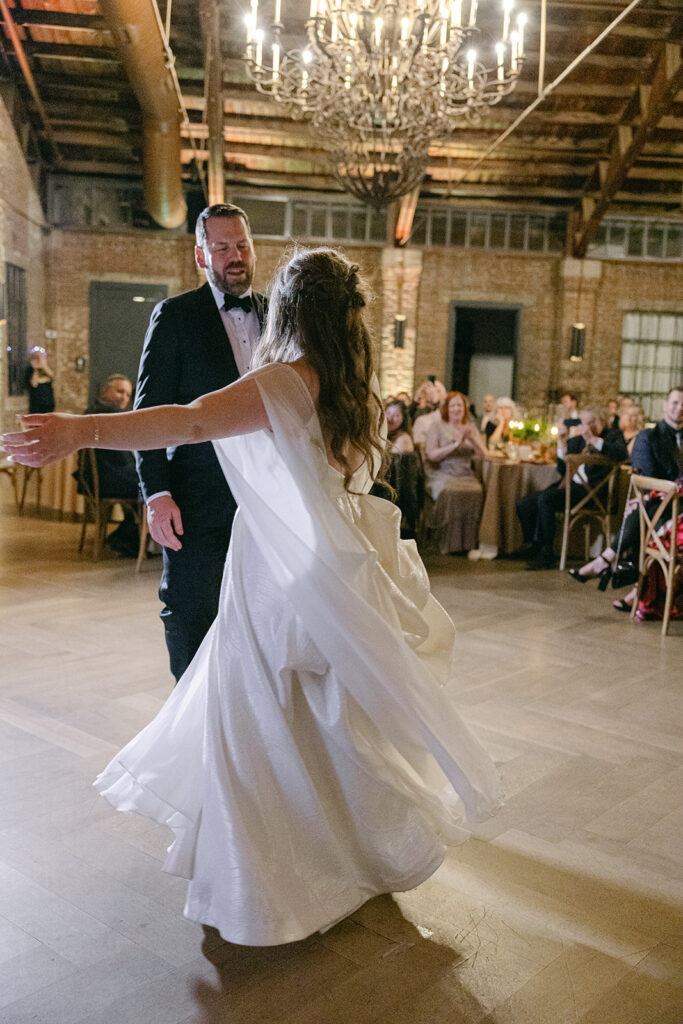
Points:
x=71 y=51
x=22 y=59
x=127 y=142
x=210 y=20
x=59 y=19
x=627 y=145
x=108 y=168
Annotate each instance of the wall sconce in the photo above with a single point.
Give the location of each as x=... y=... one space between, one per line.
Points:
x=399 y=331
x=578 y=341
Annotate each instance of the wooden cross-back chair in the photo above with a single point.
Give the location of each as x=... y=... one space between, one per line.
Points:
x=98 y=510
x=596 y=506
x=655 y=547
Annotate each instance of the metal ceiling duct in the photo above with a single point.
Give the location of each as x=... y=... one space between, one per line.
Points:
x=139 y=40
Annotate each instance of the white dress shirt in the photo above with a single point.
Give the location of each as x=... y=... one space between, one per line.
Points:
x=243 y=329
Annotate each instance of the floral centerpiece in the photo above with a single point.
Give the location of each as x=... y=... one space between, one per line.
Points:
x=533 y=429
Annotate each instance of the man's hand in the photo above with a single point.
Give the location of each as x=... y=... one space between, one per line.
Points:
x=165 y=522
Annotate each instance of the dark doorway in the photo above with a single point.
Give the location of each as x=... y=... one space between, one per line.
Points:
x=119 y=316
x=482 y=349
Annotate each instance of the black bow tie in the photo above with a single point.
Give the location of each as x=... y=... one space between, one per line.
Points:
x=232 y=303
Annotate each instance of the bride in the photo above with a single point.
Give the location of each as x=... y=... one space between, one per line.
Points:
x=310 y=757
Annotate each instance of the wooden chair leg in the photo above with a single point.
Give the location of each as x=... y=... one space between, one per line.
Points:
x=24 y=488
x=83 y=529
x=565 y=540
x=100 y=527
x=144 y=533
x=670 y=579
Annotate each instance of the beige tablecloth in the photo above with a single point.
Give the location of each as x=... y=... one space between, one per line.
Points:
x=504 y=483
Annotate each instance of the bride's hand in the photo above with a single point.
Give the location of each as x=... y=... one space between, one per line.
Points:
x=46 y=438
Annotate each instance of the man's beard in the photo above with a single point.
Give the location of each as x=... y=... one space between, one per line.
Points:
x=229 y=287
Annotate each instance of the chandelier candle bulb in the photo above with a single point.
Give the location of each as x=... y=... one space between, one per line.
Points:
x=314 y=9
x=276 y=60
x=473 y=13
x=259 y=48
x=507 y=8
x=500 y=55
x=521 y=22
x=378 y=31
x=514 y=44
x=471 y=57
x=405 y=28
x=456 y=13
x=276 y=12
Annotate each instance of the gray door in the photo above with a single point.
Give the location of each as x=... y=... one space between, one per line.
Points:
x=119 y=316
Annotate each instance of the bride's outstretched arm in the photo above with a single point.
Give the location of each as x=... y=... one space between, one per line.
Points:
x=237 y=409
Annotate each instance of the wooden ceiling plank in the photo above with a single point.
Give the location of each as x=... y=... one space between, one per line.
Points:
x=59 y=19
x=666 y=81
x=72 y=51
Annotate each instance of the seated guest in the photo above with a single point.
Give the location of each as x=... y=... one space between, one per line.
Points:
x=452 y=444
x=657 y=452
x=404 y=472
x=566 y=412
x=612 y=414
x=118 y=477
x=424 y=411
x=630 y=423
x=399 y=436
x=38 y=380
x=488 y=414
x=536 y=511
x=497 y=431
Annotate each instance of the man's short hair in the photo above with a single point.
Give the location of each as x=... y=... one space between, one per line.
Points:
x=677 y=387
x=111 y=379
x=217 y=210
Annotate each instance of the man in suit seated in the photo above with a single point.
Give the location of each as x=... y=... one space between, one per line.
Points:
x=657 y=452
x=536 y=511
x=117 y=473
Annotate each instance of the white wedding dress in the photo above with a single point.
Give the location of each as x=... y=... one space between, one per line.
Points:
x=309 y=758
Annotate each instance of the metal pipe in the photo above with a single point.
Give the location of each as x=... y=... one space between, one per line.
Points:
x=143 y=51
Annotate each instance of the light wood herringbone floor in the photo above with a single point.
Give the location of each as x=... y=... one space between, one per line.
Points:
x=564 y=909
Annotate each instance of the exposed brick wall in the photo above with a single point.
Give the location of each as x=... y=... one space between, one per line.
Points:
x=74 y=259
x=547 y=289
x=21 y=243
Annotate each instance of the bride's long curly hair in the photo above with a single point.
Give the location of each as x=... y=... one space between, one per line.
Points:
x=316 y=311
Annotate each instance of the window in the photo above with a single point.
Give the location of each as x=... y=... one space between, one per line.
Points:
x=637 y=238
x=16 y=329
x=651 y=358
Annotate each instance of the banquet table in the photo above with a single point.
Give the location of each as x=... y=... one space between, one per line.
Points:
x=504 y=482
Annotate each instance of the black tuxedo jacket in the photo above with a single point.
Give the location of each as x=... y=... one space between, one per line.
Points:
x=614 y=448
x=655 y=452
x=186 y=354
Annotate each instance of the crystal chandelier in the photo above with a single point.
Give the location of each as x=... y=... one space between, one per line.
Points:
x=381 y=79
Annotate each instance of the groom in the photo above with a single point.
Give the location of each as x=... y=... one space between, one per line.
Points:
x=197 y=342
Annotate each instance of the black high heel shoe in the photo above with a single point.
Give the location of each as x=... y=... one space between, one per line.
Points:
x=580 y=577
